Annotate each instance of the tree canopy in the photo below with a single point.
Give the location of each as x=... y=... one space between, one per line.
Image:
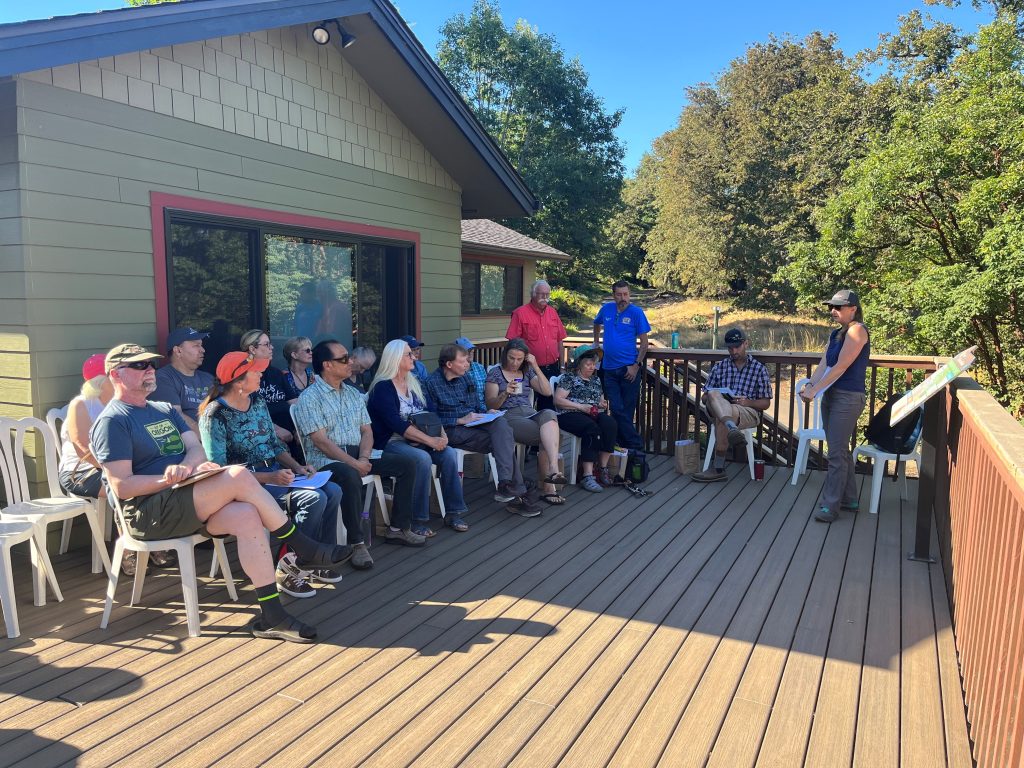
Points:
x=539 y=108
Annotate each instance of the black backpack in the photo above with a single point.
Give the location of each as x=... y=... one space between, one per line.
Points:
x=901 y=437
x=637 y=468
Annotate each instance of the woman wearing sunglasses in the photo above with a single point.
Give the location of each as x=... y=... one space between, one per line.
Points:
x=298 y=354
x=235 y=427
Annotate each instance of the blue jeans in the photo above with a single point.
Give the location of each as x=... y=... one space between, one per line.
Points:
x=622 y=399
x=447 y=469
x=314 y=511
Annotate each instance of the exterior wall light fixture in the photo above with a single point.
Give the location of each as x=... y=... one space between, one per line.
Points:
x=322 y=35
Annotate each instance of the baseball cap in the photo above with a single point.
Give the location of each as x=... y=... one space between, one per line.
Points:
x=587 y=350
x=234 y=364
x=127 y=353
x=180 y=335
x=93 y=367
x=734 y=337
x=412 y=341
x=465 y=343
x=844 y=298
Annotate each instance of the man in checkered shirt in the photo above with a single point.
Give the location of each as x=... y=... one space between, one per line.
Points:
x=737 y=390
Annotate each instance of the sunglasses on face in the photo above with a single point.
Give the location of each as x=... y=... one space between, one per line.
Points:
x=306 y=351
x=139 y=365
x=342 y=359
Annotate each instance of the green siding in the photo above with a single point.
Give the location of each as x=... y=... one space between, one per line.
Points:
x=84 y=180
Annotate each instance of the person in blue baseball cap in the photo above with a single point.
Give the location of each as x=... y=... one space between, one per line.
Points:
x=477 y=373
x=419 y=370
x=180 y=382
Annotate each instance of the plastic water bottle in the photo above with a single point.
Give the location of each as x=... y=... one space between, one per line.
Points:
x=675 y=339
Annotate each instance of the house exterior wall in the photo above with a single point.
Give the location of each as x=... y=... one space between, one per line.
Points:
x=494 y=326
x=87 y=162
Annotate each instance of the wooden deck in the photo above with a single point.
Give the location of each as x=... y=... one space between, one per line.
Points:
x=700 y=625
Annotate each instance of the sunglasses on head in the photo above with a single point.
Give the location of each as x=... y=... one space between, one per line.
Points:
x=248 y=359
x=138 y=365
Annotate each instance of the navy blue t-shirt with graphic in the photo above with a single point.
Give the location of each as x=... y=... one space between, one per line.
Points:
x=149 y=436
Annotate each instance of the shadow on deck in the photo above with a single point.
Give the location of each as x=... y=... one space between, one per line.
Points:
x=699 y=625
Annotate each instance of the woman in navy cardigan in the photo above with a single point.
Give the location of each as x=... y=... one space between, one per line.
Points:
x=394 y=397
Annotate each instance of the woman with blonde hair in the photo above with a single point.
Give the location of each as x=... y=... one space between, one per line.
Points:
x=395 y=397
x=298 y=357
x=275 y=390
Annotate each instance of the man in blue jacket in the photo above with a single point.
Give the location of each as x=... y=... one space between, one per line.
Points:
x=624 y=325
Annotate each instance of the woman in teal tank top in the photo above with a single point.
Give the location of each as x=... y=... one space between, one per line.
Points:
x=840 y=375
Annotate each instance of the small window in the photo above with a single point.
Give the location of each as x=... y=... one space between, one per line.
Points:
x=490 y=289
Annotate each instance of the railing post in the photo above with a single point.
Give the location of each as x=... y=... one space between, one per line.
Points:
x=934 y=474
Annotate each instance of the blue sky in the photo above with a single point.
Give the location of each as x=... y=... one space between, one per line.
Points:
x=640 y=57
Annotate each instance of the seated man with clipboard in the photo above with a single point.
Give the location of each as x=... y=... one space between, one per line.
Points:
x=149 y=455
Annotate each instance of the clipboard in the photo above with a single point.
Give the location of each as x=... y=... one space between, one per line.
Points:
x=197 y=476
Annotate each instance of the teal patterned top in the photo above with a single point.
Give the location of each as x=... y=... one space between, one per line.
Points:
x=231 y=436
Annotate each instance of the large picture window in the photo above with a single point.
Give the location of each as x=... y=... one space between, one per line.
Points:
x=491 y=289
x=227 y=276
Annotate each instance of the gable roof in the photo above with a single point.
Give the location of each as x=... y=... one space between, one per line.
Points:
x=386 y=54
x=489 y=238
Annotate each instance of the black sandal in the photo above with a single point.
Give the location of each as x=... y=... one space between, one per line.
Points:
x=290 y=630
x=556 y=478
x=553 y=498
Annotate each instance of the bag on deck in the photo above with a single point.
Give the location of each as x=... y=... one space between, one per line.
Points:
x=901 y=437
x=637 y=468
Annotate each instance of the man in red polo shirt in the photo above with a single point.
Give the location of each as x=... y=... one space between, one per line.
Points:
x=539 y=325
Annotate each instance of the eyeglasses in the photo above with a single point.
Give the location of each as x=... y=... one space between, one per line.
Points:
x=410 y=353
x=248 y=360
x=264 y=344
x=138 y=365
x=306 y=351
x=342 y=359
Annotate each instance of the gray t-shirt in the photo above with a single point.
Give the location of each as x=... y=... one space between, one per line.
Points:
x=149 y=436
x=186 y=392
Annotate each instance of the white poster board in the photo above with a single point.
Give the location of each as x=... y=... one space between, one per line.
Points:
x=919 y=394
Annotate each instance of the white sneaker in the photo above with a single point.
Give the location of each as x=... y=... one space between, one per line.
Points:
x=291 y=579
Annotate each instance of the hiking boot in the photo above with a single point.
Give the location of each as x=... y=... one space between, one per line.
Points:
x=825 y=515
x=167 y=558
x=361 y=559
x=737 y=438
x=589 y=483
x=523 y=507
x=710 y=476
x=404 y=537
x=291 y=579
x=504 y=493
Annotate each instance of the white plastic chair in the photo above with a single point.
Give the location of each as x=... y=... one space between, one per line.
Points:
x=570 y=445
x=12 y=533
x=460 y=455
x=878 y=461
x=55 y=418
x=807 y=433
x=750 y=448
x=185 y=547
x=43 y=511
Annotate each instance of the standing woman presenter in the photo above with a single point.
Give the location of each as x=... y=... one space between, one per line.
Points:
x=840 y=375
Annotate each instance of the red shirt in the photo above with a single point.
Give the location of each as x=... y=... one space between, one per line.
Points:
x=542 y=331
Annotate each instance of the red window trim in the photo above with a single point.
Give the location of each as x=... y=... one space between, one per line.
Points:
x=160 y=202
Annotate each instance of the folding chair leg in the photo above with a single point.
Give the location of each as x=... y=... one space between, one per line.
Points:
x=440 y=496
x=220 y=554
x=65 y=537
x=100 y=560
x=800 y=463
x=750 y=455
x=187 y=564
x=141 y=562
x=382 y=503
x=877 y=474
x=115 y=570
x=494 y=470
x=7 y=599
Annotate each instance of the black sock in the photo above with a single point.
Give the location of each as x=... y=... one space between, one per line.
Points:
x=269 y=600
x=301 y=544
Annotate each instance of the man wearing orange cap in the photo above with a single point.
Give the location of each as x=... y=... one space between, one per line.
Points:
x=146 y=449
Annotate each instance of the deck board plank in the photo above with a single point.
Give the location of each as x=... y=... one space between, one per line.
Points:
x=704 y=624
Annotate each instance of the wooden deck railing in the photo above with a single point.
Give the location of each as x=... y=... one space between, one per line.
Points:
x=977 y=451
x=670 y=407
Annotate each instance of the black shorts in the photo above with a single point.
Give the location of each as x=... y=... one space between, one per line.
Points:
x=169 y=514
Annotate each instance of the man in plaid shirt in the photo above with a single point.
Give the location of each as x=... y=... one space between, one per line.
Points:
x=737 y=390
x=453 y=396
